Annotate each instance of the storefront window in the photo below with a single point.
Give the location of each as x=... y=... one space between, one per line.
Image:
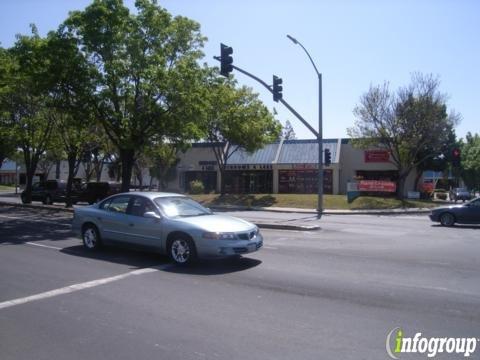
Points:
x=304 y=181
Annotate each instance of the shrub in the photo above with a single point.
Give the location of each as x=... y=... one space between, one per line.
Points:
x=196 y=187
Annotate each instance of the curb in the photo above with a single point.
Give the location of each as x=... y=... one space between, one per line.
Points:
x=70 y=210
x=412 y=211
x=325 y=212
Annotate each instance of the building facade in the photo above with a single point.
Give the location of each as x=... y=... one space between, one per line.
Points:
x=286 y=166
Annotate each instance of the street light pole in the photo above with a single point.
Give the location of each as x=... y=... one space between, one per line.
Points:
x=319 y=133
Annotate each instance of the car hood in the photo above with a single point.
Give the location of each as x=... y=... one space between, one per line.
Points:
x=217 y=223
x=449 y=207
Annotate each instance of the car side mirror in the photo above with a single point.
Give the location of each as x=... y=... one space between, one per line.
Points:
x=152 y=215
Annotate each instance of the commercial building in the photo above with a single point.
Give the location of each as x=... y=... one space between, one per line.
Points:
x=286 y=166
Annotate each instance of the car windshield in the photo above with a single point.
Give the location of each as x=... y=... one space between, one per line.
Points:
x=180 y=207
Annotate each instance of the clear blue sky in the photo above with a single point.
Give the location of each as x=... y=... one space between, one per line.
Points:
x=354 y=44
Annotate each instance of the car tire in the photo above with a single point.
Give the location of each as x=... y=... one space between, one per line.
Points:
x=47 y=200
x=23 y=198
x=447 y=219
x=182 y=250
x=91 y=238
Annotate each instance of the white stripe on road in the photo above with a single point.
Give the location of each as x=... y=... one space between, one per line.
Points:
x=44 y=246
x=73 y=288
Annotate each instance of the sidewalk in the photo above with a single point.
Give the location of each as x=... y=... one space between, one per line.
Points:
x=264 y=217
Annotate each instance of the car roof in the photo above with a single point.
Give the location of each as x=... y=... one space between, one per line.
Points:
x=151 y=194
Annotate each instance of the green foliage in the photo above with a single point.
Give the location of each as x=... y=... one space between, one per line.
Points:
x=147 y=75
x=412 y=124
x=24 y=99
x=163 y=159
x=236 y=118
x=196 y=187
x=470 y=161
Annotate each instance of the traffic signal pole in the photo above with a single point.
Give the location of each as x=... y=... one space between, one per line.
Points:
x=318 y=134
x=269 y=88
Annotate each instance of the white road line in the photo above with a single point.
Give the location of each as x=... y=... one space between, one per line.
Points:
x=73 y=288
x=44 y=246
x=33 y=220
x=270 y=247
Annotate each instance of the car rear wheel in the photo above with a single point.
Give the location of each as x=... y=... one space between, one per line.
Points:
x=182 y=251
x=447 y=219
x=91 y=237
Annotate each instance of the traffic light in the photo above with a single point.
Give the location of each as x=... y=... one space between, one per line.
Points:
x=328 y=157
x=277 y=88
x=456 y=157
x=226 y=60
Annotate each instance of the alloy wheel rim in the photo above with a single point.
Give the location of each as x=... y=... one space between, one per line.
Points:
x=448 y=219
x=180 y=251
x=90 y=238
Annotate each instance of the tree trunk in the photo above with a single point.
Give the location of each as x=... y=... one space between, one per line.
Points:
x=417 y=179
x=401 y=187
x=71 y=173
x=222 y=181
x=30 y=167
x=127 y=157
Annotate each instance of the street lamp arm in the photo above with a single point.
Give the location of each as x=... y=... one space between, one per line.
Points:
x=295 y=41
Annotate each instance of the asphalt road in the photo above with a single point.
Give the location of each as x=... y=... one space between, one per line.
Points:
x=330 y=294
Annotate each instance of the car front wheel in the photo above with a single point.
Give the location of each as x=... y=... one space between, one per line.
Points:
x=447 y=219
x=182 y=251
x=91 y=237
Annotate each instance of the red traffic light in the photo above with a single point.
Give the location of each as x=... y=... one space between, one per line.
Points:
x=456 y=153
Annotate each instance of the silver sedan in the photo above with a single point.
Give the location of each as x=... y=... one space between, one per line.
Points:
x=169 y=223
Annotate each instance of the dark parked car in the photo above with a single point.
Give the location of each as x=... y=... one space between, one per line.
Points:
x=460 y=194
x=48 y=192
x=93 y=192
x=468 y=213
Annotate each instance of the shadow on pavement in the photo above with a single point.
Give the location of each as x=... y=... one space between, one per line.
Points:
x=138 y=258
x=119 y=255
x=215 y=267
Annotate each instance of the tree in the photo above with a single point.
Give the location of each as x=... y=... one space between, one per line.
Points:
x=23 y=101
x=71 y=97
x=470 y=161
x=163 y=159
x=235 y=119
x=288 y=133
x=405 y=123
x=7 y=143
x=439 y=161
x=146 y=71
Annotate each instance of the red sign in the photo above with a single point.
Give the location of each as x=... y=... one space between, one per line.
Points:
x=377 y=185
x=377 y=156
x=428 y=186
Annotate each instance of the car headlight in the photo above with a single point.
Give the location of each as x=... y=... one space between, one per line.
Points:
x=219 y=236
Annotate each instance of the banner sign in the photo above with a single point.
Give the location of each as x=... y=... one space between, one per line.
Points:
x=377 y=185
x=377 y=156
